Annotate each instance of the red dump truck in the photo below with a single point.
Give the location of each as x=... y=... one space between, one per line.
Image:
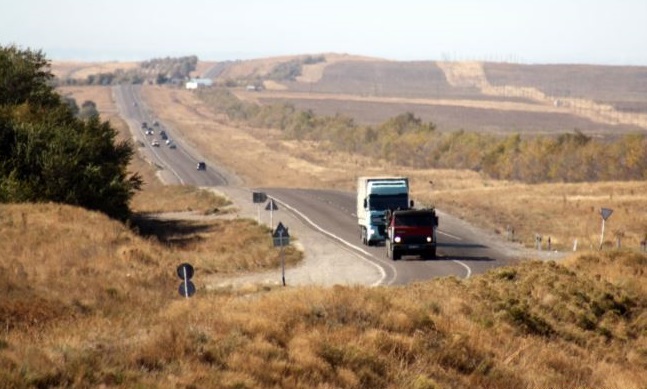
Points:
x=411 y=232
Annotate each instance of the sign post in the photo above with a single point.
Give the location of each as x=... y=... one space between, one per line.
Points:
x=281 y=238
x=271 y=206
x=605 y=213
x=258 y=198
x=185 y=272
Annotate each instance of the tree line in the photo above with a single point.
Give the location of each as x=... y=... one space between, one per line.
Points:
x=409 y=141
x=52 y=151
x=157 y=70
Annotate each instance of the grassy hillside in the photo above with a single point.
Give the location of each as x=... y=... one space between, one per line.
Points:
x=88 y=303
x=599 y=100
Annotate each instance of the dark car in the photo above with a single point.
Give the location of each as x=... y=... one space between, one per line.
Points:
x=201 y=166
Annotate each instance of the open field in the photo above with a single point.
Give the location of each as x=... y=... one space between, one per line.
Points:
x=583 y=95
x=89 y=303
x=502 y=118
x=467 y=194
x=81 y=70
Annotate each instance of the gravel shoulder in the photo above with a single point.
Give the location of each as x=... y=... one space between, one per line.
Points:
x=326 y=262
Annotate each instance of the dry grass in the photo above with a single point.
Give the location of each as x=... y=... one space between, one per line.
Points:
x=187 y=220
x=564 y=212
x=88 y=303
x=81 y=70
x=102 y=309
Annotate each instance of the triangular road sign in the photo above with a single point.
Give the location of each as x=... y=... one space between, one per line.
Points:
x=606 y=212
x=271 y=206
x=280 y=231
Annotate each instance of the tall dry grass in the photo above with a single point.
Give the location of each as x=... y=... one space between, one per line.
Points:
x=88 y=303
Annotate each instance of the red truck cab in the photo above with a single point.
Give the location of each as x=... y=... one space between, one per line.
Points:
x=411 y=232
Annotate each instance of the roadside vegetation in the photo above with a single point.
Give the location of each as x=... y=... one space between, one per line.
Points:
x=157 y=70
x=89 y=301
x=49 y=154
x=103 y=309
x=408 y=141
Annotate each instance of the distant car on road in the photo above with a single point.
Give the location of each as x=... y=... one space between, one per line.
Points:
x=149 y=132
x=144 y=125
x=201 y=166
x=171 y=146
x=163 y=135
x=155 y=143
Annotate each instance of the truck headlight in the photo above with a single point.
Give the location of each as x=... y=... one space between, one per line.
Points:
x=371 y=231
x=397 y=239
x=429 y=239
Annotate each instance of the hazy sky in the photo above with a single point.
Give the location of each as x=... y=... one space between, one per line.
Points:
x=526 y=31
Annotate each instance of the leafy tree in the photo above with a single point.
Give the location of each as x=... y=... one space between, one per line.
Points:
x=74 y=107
x=25 y=77
x=47 y=154
x=88 y=109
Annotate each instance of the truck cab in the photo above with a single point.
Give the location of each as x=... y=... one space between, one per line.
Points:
x=411 y=232
x=375 y=195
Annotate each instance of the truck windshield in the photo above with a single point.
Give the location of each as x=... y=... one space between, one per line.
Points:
x=414 y=221
x=384 y=202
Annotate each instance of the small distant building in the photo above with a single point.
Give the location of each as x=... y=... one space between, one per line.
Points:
x=196 y=83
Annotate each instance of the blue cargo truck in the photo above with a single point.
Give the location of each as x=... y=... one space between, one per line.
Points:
x=376 y=195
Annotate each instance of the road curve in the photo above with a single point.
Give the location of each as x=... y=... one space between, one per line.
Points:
x=462 y=249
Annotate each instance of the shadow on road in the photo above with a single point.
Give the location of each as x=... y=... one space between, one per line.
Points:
x=464 y=258
x=463 y=245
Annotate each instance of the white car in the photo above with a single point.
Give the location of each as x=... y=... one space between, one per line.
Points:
x=155 y=143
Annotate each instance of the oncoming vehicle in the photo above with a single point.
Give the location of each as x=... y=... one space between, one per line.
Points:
x=155 y=143
x=411 y=232
x=201 y=166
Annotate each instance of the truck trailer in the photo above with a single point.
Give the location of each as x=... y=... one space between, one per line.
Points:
x=376 y=195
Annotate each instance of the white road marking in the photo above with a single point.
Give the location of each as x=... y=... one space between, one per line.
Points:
x=469 y=270
x=450 y=235
x=337 y=238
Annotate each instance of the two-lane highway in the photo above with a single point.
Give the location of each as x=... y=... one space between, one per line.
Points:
x=462 y=249
x=178 y=165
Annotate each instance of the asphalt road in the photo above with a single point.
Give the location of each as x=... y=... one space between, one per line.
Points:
x=462 y=249
x=177 y=166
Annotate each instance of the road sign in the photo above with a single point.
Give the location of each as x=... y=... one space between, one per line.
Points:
x=280 y=236
x=605 y=213
x=185 y=270
x=259 y=197
x=186 y=289
x=271 y=206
